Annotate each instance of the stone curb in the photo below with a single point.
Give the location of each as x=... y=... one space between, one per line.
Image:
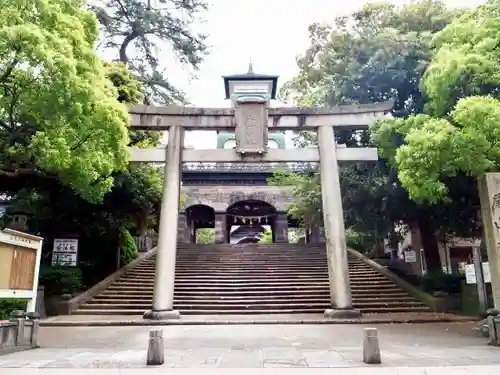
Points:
x=132 y=323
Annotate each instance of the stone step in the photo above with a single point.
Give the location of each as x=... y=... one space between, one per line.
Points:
x=250 y=269
x=222 y=305
x=213 y=299
x=250 y=252
x=235 y=272
x=256 y=277
x=302 y=310
x=231 y=249
x=251 y=279
x=263 y=258
x=260 y=287
x=241 y=294
x=229 y=264
x=248 y=274
x=254 y=265
x=257 y=258
x=260 y=262
x=231 y=284
x=255 y=280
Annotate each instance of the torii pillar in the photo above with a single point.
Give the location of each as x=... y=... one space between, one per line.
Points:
x=163 y=294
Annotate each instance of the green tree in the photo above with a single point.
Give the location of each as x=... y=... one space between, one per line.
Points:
x=205 y=235
x=458 y=135
x=375 y=54
x=132 y=205
x=139 y=29
x=267 y=237
x=130 y=91
x=127 y=248
x=59 y=117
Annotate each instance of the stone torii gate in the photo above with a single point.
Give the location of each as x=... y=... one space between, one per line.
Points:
x=251 y=118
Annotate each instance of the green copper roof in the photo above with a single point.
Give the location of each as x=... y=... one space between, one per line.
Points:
x=251 y=76
x=223 y=137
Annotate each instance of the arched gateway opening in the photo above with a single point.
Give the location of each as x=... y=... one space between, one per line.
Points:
x=248 y=220
x=199 y=216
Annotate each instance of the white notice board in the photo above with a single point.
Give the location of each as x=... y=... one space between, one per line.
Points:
x=410 y=256
x=470 y=273
x=65 y=252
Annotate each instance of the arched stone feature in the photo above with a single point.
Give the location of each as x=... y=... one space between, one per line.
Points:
x=251 y=214
x=198 y=216
x=244 y=196
x=201 y=213
x=251 y=207
x=221 y=197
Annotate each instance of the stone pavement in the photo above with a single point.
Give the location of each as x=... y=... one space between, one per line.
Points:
x=457 y=370
x=258 y=346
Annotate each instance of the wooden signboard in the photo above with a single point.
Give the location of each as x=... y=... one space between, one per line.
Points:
x=19 y=266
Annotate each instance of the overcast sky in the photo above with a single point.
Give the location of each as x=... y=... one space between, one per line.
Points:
x=270 y=32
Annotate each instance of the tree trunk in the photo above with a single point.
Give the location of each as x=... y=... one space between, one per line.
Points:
x=429 y=243
x=394 y=243
x=380 y=248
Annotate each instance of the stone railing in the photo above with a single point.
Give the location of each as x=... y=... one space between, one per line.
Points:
x=19 y=333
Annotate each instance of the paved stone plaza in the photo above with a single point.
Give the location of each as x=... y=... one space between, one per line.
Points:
x=257 y=346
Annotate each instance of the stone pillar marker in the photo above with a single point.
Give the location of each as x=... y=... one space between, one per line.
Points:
x=489 y=194
x=481 y=286
x=163 y=294
x=156 y=354
x=183 y=229
x=371 y=347
x=281 y=228
x=333 y=218
x=317 y=235
x=220 y=228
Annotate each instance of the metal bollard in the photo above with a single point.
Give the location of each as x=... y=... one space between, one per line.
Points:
x=371 y=348
x=156 y=356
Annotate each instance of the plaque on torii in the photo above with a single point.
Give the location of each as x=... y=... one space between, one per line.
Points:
x=251 y=126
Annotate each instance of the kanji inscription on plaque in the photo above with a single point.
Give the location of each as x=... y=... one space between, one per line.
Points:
x=251 y=127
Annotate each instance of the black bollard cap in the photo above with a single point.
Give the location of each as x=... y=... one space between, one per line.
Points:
x=33 y=315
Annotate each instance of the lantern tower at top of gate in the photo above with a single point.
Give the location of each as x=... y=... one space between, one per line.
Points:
x=250 y=86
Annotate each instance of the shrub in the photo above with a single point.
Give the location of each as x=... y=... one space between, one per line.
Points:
x=361 y=242
x=128 y=249
x=9 y=305
x=267 y=237
x=440 y=282
x=205 y=236
x=59 y=280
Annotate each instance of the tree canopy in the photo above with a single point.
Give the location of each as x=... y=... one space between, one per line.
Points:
x=378 y=53
x=137 y=30
x=458 y=133
x=59 y=114
x=55 y=210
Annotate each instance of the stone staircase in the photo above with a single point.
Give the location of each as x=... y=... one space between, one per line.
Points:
x=250 y=279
